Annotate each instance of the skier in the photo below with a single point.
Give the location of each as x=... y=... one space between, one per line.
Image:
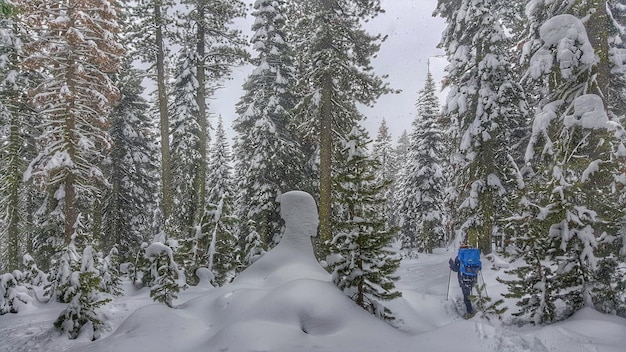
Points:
x=465 y=281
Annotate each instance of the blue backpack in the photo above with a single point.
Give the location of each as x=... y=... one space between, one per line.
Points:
x=469 y=259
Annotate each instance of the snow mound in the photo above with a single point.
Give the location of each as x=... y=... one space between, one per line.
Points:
x=293 y=257
x=283 y=302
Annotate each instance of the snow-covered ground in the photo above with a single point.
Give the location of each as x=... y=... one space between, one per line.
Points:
x=286 y=302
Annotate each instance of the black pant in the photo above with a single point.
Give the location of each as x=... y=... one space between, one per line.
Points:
x=467 y=291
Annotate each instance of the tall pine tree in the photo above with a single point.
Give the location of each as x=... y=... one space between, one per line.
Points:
x=488 y=105
x=423 y=208
x=269 y=159
x=337 y=75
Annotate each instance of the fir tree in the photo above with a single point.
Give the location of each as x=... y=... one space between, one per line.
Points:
x=401 y=153
x=337 y=74
x=488 y=104
x=383 y=152
x=76 y=46
x=163 y=275
x=131 y=170
x=84 y=296
x=267 y=149
x=13 y=296
x=16 y=120
x=565 y=218
x=423 y=205
x=362 y=265
x=150 y=35
x=210 y=49
x=221 y=254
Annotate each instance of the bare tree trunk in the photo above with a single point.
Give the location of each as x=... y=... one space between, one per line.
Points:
x=166 y=173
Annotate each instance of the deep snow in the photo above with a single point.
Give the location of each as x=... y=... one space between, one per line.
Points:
x=286 y=302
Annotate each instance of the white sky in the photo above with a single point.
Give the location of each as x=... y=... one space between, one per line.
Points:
x=413 y=38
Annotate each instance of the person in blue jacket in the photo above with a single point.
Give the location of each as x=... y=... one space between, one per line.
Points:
x=465 y=281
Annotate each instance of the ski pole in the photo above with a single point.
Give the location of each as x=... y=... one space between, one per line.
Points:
x=448 y=290
x=484 y=283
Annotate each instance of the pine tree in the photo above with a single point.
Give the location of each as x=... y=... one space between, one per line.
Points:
x=163 y=275
x=131 y=170
x=188 y=146
x=363 y=266
x=150 y=37
x=84 y=296
x=15 y=120
x=423 y=203
x=221 y=254
x=76 y=46
x=210 y=49
x=383 y=152
x=269 y=157
x=337 y=75
x=401 y=152
x=488 y=104
x=567 y=198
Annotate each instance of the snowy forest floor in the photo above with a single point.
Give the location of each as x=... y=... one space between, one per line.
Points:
x=426 y=320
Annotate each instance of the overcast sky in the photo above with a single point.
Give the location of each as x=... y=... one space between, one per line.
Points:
x=413 y=38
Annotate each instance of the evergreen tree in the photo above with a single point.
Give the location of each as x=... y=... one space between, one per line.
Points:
x=400 y=152
x=13 y=296
x=337 y=75
x=151 y=32
x=362 y=265
x=210 y=49
x=567 y=198
x=188 y=146
x=423 y=203
x=15 y=123
x=383 y=152
x=131 y=170
x=77 y=54
x=221 y=254
x=84 y=296
x=268 y=153
x=488 y=104
x=163 y=275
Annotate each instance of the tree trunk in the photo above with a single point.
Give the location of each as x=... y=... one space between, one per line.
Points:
x=13 y=205
x=200 y=177
x=326 y=150
x=166 y=173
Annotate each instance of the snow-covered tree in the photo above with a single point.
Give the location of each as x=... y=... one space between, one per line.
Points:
x=422 y=211
x=253 y=248
x=401 y=152
x=77 y=49
x=336 y=75
x=383 y=152
x=210 y=49
x=84 y=296
x=221 y=255
x=567 y=200
x=363 y=266
x=269 y=158
x=162 y=274
x=15 y=126
x=487 y=101
x=131 y=169
x=149 y=39
x=13 y=296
